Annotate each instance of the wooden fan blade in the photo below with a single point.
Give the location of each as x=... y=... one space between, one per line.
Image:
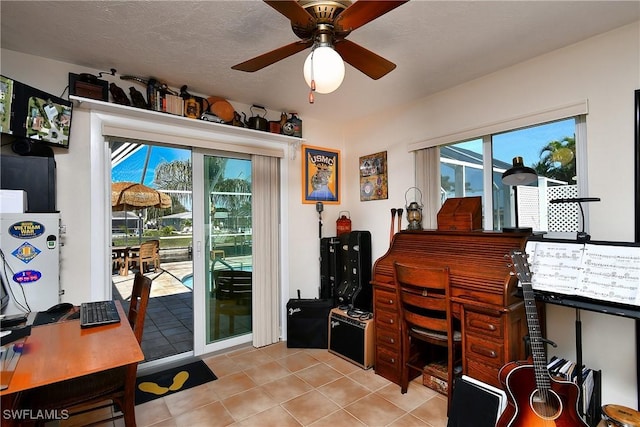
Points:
x=292 y=10
x=362 y=12
x=373 y=65
x=259 y=62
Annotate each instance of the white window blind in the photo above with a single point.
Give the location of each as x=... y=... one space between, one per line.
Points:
x=571 y=109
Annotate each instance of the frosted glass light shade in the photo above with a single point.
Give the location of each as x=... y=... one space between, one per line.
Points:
x=328 y=69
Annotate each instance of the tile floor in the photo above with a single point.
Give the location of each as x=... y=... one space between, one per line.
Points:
x=274 y=385
x=277 y=386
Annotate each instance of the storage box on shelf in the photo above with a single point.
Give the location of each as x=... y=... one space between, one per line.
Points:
x=461 y=214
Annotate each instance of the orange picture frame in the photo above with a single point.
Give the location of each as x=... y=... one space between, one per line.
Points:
x=320 y=175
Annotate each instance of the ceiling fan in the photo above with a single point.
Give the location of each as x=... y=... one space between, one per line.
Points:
x=328 y=23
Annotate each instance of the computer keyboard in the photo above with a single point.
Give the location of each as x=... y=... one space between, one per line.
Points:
x=98 y=313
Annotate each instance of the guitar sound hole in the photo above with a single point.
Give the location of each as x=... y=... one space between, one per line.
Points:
x=546 y=404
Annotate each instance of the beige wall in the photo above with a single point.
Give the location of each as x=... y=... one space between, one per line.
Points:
x=604 y=70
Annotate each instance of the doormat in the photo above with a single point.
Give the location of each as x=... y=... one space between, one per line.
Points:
x=163 y=383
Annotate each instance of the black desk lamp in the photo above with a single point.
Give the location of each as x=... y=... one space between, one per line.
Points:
x=582 y=236
x=519 y=174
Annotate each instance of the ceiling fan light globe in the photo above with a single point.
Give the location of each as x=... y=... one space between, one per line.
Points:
x=328 y=69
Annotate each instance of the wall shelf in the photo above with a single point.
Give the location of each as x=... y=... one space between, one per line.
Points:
x=215 y=130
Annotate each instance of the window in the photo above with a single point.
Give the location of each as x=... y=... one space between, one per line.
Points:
x=469 y=168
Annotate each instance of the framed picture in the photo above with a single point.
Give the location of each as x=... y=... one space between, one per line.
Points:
x=320 y=175
x=373 y=177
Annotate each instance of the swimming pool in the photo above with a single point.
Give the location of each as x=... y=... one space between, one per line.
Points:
x=188 y=281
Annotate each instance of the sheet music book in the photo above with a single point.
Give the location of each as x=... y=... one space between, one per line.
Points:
x=475 y=403
x=600 y=272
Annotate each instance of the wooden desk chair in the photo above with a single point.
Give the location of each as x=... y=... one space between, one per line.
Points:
x=148 y=255
x=233 y=295
x=427 y=321
x=91 y=392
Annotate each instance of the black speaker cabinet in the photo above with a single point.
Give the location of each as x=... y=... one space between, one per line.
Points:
x=307 y=322
x=351 y=338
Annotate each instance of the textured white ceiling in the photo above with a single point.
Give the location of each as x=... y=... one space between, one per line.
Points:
x=435 y=44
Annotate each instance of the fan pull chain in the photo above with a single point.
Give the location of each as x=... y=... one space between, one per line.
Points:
x=312 y=89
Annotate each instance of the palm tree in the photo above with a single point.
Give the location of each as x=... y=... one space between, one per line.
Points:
x=175 y=175
x=558 y=160
x=236 y=198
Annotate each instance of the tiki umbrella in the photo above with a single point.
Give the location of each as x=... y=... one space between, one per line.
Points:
x=132 y=196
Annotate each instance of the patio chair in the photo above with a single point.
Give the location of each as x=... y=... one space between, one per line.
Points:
x=233 y=295
x=148 y=255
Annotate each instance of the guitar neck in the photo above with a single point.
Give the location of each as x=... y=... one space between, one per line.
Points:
x=535 y=335
x=538 y=352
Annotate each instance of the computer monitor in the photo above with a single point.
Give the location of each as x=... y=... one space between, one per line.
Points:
x=33 y=115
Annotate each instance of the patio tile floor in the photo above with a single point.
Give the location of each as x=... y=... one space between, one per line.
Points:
x=168 y=328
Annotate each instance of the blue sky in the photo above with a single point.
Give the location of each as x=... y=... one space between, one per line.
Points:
x=131 y=168
x=525 y=143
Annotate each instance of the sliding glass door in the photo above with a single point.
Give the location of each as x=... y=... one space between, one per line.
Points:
x=139 y=169
x=225 y=250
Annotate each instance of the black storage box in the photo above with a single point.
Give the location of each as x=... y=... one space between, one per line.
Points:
x=35 y=175
x=308 y=323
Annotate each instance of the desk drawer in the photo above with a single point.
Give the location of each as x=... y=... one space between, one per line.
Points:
x=388 y=363
x=484 y=350
x=483 y=324
x=485 y=373
x=385 y=300
x=388 y=337
x=469 y=295
x=386 y=319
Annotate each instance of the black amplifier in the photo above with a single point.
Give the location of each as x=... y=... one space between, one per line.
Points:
x=352 y=338
x=307 y=322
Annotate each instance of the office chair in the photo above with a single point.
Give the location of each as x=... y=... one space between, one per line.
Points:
x=427 y=321
x=92 y=391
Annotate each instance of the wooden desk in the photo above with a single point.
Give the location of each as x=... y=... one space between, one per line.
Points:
x=61 y=351
x=492 y=318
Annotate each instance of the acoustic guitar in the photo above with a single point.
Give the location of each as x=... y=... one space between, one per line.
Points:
x=534 y=398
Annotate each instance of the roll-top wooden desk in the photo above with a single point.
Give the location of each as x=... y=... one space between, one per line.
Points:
x=483 y=297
